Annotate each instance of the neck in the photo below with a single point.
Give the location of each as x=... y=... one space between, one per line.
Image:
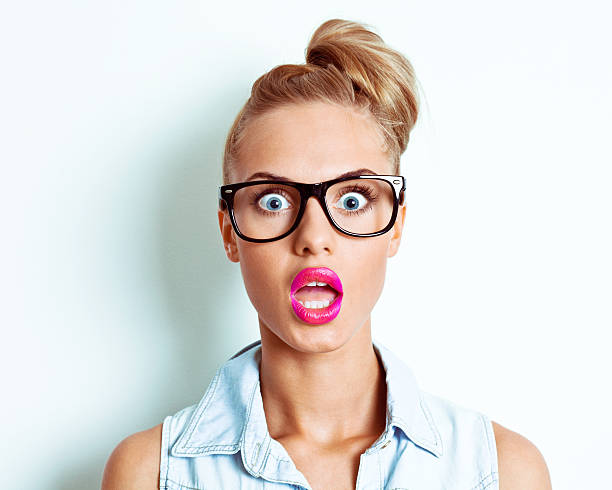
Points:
x=323 y=397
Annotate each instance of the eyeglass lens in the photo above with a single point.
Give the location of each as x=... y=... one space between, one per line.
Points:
x=266 y=211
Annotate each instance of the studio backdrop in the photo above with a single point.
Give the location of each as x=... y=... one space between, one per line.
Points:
x=118 y=302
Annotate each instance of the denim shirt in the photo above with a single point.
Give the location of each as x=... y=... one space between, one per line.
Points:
x=222 y=442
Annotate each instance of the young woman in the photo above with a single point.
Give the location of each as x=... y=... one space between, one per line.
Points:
x=312 y=207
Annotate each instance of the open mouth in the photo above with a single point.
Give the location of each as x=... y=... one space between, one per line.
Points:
x=316 y=295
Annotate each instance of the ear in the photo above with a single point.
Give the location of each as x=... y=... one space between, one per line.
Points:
x=396 y=231
x=228 y=235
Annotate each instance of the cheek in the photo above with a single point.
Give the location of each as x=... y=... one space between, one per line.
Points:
x=261 y=268
x=370 y=252
x=368 y=264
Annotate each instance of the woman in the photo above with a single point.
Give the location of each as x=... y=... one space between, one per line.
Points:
x=312 y=207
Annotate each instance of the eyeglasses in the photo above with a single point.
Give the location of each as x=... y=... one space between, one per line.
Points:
x=267 y=210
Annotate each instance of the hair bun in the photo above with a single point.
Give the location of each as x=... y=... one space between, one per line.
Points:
x=348 y=46
x=346 y=64
x=377 y=72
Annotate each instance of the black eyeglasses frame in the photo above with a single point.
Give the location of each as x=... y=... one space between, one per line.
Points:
x=318 y=190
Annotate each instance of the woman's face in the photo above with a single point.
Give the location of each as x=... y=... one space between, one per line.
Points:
x=312 y=143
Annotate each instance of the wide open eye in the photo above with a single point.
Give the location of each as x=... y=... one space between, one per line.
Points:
x=351 y=201
x=273 y=202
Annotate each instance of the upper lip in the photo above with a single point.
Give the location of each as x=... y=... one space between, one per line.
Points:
x=321 y=274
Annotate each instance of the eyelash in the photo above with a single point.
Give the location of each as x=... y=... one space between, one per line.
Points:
x=255 y=197
x=371 y=196
x=362 y=190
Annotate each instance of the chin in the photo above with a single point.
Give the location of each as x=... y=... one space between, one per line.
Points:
x=313 y=339
x=320 y=341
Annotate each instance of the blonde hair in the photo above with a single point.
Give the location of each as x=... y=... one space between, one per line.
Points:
x=346 y=64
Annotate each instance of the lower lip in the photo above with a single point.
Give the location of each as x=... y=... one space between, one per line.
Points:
x=317 y=316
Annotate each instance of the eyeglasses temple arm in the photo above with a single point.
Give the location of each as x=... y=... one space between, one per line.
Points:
x=222 y=203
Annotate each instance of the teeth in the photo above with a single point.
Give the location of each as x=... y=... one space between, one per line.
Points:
x=315 y=304
x=317 y=283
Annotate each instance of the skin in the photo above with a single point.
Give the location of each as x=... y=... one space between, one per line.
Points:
x=303 y=365
x=324 y=429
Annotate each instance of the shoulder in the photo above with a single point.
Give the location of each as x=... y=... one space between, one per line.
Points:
x=459 y=427
x=134 y=463
x=521 y=466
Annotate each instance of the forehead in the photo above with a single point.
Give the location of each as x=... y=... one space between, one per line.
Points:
x=310 y=143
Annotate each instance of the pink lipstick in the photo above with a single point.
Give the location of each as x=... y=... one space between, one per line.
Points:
x=316 y=316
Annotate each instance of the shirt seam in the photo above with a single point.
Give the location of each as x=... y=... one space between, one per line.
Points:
x=245 y=458
x=432 y=425
x=165 y=449
x=213 y=449
x=278 y=458
x=483 y=484
x=381 y=477
x=198 y=415
x=182 y=485
x=492 y=445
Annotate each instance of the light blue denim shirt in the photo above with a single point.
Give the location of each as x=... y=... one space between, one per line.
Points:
x=223 y=441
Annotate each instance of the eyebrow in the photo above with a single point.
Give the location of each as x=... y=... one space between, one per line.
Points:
x=268 y=175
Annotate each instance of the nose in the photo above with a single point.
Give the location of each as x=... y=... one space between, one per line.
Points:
x=315 y=234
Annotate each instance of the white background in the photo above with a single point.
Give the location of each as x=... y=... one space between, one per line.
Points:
x=118 y=303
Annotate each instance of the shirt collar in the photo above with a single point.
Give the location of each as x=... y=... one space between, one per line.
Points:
x=230 y=416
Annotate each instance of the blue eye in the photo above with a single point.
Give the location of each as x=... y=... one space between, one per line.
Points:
x=351 y=201
x=273 y=202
